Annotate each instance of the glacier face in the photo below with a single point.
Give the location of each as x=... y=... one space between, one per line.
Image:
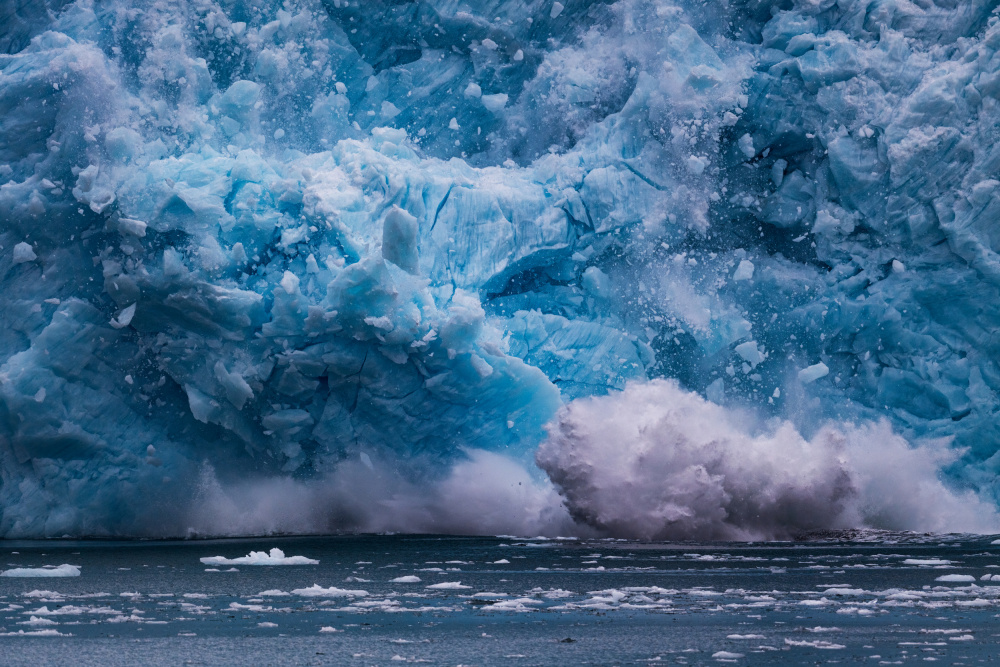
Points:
x=267 y=242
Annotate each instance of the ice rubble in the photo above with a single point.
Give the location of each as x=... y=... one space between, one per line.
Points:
x=243 y=240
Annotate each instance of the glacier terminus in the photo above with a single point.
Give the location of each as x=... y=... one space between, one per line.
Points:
x=636 y=268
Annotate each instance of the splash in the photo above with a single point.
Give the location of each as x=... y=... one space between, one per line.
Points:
x=657 y=462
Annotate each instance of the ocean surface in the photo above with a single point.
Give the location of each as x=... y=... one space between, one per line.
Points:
x=848 y=598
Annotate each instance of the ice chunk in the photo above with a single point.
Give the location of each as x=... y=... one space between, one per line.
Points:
x=495 y=102
x=64 y=570
x=274 y=557
x=317 y=591
x=813 y=373
x=409 y=579
x=24 y=253
x=448 y=586
x=400 y=232
x=744 y=271
x=750 y=353
x=926 y=561
x=124 y=317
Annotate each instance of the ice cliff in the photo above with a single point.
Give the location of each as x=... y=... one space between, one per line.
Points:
x=296 y=244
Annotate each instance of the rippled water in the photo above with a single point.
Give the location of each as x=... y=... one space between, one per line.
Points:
x=873 y=598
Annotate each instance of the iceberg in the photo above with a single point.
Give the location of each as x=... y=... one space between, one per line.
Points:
x=64 y=570
x=274 y=557
x=248 y=245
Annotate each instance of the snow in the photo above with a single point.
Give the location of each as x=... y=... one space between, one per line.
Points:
x=274 y=557
x=23 y=253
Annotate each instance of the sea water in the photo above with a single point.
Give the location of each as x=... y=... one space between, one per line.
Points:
x=872 y=598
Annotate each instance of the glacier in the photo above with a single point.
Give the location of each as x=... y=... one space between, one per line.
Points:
x=326 y=264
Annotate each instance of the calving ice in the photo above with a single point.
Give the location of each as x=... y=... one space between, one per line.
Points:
x=639 y=268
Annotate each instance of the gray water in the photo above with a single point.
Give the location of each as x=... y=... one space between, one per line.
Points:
x=844 y=599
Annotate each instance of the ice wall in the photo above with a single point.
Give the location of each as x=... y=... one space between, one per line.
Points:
x=242 y=241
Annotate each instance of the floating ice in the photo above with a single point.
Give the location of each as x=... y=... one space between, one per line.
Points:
x=317 y=591
x=64 y=570
x=926 y=561
x=274 y=557
x=956 y=578
x=35 y=620
x=409 y=579
x=448 y=586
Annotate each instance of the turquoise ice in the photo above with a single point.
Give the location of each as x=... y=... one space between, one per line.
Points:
x=260 y=240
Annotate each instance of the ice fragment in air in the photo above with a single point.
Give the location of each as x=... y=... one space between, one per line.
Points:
x=813 y=373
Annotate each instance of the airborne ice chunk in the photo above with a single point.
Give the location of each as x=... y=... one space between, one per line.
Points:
x=495 y=102
x=275 y=557
x=124 y=317
x=23 y=253
x=813 y=373
x=696 y=164
x=744 y=271
x=64 y=570
x=750 y=353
